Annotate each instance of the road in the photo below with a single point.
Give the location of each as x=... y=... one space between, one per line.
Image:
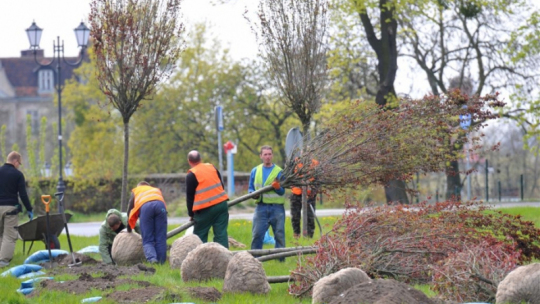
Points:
x=92 y=228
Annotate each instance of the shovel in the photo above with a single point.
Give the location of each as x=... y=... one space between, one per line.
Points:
x=60 y=197
x=46 y=200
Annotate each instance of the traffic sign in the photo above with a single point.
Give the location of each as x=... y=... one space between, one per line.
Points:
x=465 y=120
x=219 y=118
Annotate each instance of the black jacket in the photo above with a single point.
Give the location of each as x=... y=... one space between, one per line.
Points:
x=12 y=184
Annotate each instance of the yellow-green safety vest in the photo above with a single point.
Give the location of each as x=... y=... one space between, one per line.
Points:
x=270 y=197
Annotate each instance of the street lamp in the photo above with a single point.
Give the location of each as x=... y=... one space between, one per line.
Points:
x=34 y=36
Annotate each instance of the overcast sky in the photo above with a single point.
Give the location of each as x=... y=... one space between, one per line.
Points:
x=61 y=17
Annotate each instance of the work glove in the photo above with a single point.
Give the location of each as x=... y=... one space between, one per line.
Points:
x=276 y=185
x=30 y=215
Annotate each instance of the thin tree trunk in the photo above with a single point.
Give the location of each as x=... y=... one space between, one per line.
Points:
x=306 y=138
x=123 y=198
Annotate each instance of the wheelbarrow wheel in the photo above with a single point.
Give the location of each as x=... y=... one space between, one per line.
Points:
x=53 y=243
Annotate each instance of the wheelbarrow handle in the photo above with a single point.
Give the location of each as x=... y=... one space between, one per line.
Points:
x=46 y=200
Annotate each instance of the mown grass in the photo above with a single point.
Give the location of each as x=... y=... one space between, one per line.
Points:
x=171 y=278
x=165 y=276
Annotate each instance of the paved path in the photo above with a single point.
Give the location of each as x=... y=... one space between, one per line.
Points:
x=92 y=228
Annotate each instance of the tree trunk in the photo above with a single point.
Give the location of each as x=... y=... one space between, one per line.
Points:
x=123 y=198
x=386 y=50
x=306 y=138
x=395 y=192
x=453 y=181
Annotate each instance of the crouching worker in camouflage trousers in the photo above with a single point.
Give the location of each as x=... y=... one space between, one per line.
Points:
x=115 y=221
x=148 y=203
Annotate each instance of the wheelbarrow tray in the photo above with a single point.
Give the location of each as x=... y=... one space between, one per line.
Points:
x=36 y=229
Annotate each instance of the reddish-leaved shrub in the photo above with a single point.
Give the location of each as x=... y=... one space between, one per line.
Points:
x=405 y=242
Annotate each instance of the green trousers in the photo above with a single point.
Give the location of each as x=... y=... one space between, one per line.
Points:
x=215 y=217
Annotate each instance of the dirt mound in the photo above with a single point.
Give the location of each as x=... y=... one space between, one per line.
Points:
x=67 y=259
x=103 y=269
x=382 y=291
x=209 y=294
x=86 y=282
x=142 y=295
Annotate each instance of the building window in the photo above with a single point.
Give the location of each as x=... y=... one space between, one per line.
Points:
x=34 y=120
x=46 y=80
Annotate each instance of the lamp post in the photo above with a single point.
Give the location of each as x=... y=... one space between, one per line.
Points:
x=34 y=36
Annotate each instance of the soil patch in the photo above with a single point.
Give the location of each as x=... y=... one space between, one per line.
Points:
x=142 y=295
x=101 y=268
x=85 y=282
x=67 y=259
x=209 y=294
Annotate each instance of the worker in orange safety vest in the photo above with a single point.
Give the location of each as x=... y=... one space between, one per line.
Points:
x=147 y=203
x=206 y=200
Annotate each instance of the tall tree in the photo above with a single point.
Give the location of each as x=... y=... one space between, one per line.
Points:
x=469 y=45
x=293 y=40
x=385 y=47
x=136 y=44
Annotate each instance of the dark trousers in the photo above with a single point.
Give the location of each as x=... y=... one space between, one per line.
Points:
x=153 y=223
x=296 y=214
x=215 y=217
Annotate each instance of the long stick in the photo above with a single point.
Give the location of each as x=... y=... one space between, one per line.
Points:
x=263 y=252
x=279 y=279
x=230 y=204
x=286 y=254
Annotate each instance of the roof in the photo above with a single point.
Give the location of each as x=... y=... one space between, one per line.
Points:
x=22 y=72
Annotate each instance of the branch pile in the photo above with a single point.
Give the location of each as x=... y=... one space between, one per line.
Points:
x=407 y=243
x=372 y=145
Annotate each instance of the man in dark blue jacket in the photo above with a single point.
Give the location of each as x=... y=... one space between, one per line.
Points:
x=12 y=186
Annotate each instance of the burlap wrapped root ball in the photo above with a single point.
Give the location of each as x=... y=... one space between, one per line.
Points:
x=326 y=288
x=245 y=274
x=382 y=292
x=207 y=261
x=127 y=249
x=522 y=285
x=180 y=249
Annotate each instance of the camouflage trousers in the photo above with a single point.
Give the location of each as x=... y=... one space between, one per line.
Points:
x=296 y=214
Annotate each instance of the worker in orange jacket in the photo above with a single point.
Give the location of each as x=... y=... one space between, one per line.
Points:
x=147 y=203
x=296 y=205
x=206 y=200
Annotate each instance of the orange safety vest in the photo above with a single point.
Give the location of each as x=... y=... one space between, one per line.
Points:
x=209 y=192
x=143 y=194
x=298 y=190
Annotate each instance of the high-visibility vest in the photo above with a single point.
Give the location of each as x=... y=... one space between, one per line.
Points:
x=270 y=197
x=143 y=194
x=298 y=190
x=209 y=192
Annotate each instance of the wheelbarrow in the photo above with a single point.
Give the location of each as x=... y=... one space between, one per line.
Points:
x=36 y=230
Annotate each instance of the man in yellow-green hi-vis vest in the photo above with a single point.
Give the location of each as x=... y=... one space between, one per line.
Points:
x=270 y=210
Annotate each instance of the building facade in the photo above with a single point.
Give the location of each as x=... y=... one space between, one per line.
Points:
x=27 y=88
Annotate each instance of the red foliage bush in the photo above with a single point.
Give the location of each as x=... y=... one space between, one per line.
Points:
x=474 y=273
x=405 y=242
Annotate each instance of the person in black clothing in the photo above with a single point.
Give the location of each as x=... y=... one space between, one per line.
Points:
x=12 y=186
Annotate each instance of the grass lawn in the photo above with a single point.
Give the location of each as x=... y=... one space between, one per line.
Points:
x=171 y=279
x=165 y=276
